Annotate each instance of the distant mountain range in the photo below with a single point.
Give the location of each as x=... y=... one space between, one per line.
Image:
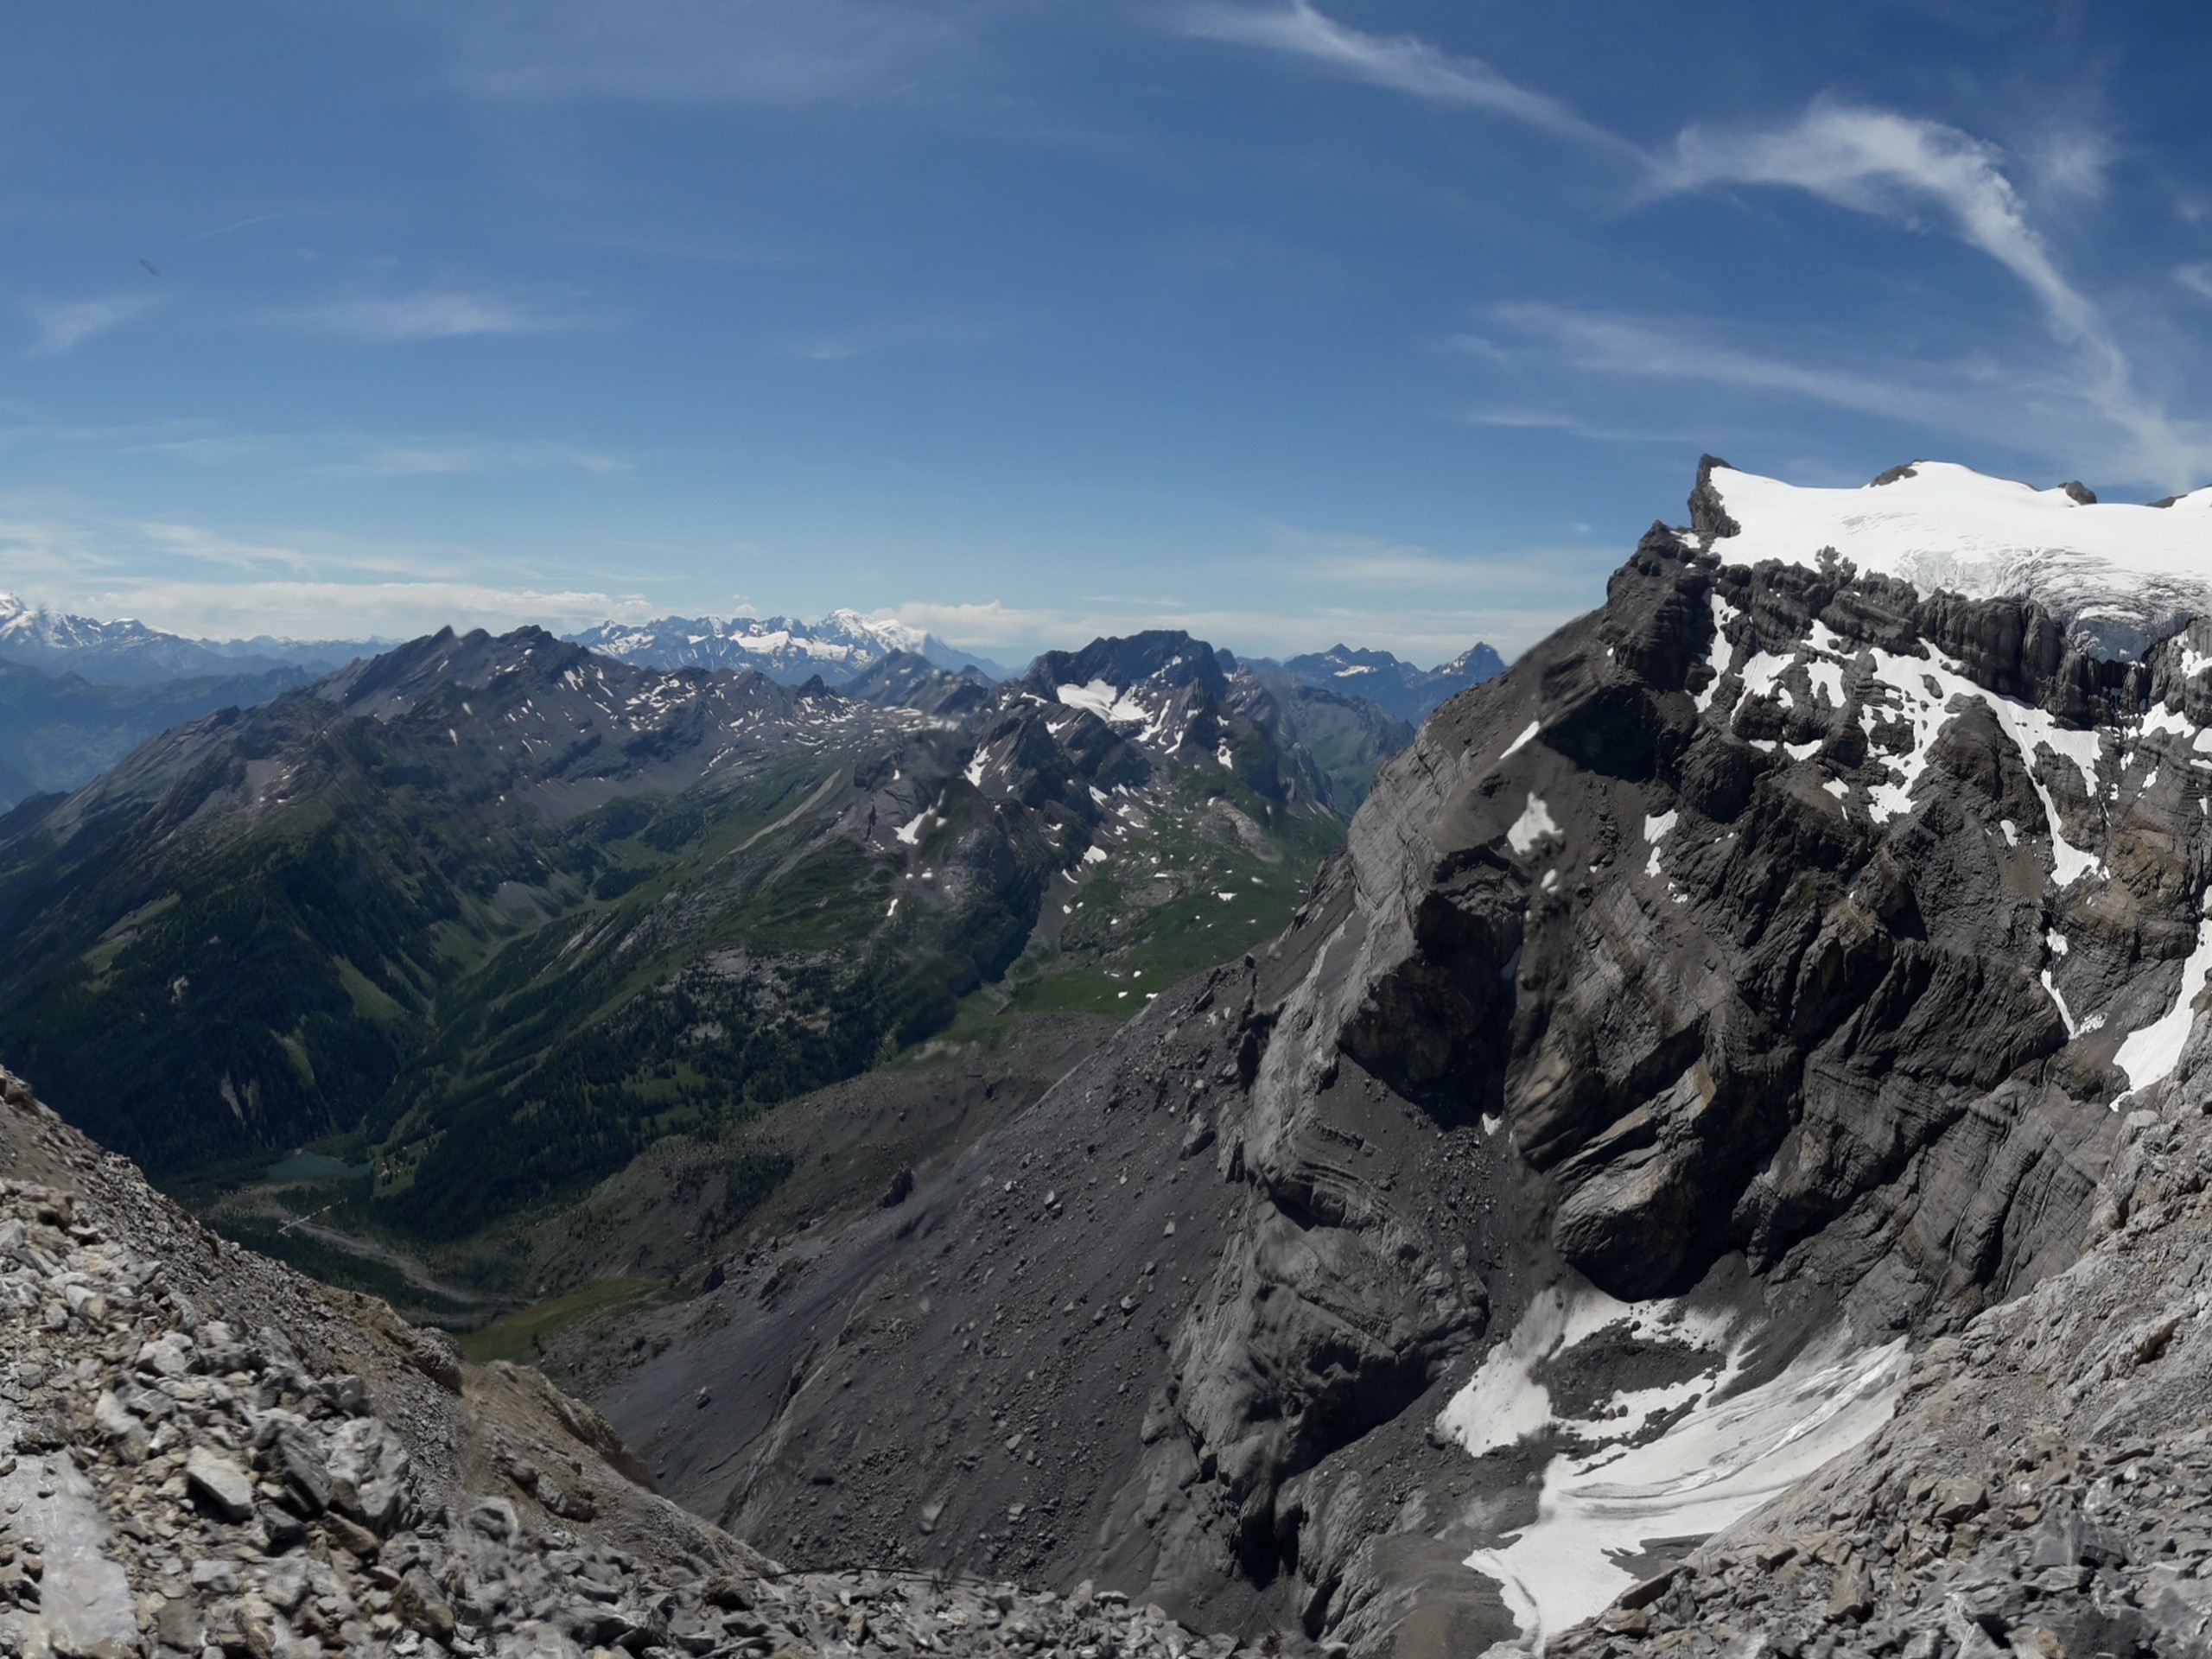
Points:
x=128 y=652
x=77 y=694
x=841 y=645
x=1409 y=692
x=80 y=692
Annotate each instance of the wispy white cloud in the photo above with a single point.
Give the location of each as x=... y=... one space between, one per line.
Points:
x=2197 y=279
x=1401 y=63
x=198 y=544
x=1878 y=162
x=455 y=457
x=234 y=227
x=1607 y=343
x=63 y=325
x=1530 y=420
x=2072 y=163
x=214 y=581
x=1328 y=587
x=1870 y=160
x=1428 y=635
x=2041 y=409
x=339 y=455
x=867 y=341
x=36 y=553
x=307 y=608
x=433 y=314
x=208 y=580
x=1888 y=165
x=329 y=454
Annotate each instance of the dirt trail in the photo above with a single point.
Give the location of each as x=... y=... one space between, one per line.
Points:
x=262 y=1202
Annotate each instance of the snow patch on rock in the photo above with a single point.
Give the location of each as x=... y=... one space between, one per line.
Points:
x=1533 y=824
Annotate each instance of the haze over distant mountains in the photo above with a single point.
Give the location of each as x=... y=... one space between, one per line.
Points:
x=126 y=651
x=1406 y=691
x=838 y=647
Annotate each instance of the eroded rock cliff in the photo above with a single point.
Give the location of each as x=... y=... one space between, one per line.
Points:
x=1726 y=1001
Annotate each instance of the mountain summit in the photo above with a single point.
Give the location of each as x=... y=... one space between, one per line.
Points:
x=125 y=651
x=515 y=910
x=2116 y=576
x=1409 y=692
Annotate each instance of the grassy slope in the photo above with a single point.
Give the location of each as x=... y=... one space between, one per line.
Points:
x=1145 y=918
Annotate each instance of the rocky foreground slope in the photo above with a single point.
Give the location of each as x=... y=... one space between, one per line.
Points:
x=202 y=1453
x=1753 y=988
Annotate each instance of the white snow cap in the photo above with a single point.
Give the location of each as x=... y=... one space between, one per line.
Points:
x=2118 y=577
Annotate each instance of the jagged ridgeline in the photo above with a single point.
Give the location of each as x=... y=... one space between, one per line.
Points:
x=504 y=911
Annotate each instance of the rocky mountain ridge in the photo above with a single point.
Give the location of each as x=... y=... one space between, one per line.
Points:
x=479 y=892
x=1728 y=1001
x=1405 y=690
x=2116 y=576
x=59 y=731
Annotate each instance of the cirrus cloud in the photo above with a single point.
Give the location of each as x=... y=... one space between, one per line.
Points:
x=63 y=325
x=1882 y=163
x=433 y=314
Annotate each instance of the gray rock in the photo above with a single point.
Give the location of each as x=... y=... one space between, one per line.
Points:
x=418 y=1603
x=220 y=1485
x=293 y=1455
x=368 y=1467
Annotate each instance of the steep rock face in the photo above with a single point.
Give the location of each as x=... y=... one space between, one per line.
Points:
x=1736 y=987
x=2045 y=1483
x=904 y=679
x=1347 y=738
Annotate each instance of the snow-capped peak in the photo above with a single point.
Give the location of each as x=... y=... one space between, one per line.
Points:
x=888 y=630
x=2120 y=576
x=841 y=644
x=23 y=623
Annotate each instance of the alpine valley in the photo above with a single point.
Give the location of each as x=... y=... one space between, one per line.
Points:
x=493 y=915
x=1701 y=1148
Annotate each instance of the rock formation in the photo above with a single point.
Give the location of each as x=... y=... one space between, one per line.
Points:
x=1722 y=1004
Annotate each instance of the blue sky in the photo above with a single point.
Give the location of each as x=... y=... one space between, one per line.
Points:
x=1395 y=323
